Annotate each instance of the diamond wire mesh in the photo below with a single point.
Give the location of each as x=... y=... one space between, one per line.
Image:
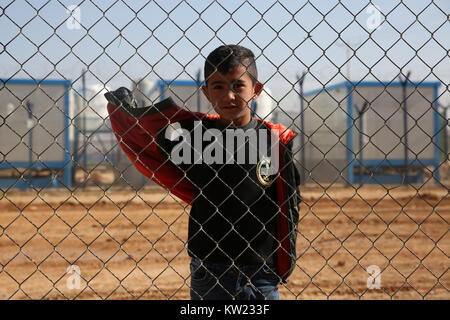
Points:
x=344 y=225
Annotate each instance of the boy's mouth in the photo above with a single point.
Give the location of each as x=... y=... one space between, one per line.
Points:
x=230 y=107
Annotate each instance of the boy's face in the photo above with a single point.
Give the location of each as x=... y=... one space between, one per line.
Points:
x=231 y=95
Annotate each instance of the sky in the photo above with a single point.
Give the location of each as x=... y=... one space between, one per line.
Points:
x=124 y=41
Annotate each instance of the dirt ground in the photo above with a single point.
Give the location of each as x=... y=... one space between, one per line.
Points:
x=131 y=245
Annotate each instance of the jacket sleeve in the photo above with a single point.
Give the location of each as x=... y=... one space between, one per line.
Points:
x=136 y=130
x=169 y=137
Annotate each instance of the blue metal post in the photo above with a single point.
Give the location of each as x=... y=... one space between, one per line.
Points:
x=436 y=136
x=350 y=162
x=445 y=134
x=361 y=130
x=68 y=168
x=404 y=83
x=30 y=139
x=76 y=157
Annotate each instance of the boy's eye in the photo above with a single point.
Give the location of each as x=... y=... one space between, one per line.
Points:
x=221 y=87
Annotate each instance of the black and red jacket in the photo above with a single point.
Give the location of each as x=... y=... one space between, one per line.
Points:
x=137 y=128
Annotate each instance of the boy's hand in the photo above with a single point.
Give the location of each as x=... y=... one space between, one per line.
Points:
x=122 y=97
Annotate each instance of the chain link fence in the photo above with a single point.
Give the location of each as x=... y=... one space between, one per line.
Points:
x=364 y=84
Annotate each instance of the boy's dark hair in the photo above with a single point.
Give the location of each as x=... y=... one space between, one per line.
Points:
x=227 y=57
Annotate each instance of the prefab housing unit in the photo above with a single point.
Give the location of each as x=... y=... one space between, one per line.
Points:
x=35 y=133
x=338 y=150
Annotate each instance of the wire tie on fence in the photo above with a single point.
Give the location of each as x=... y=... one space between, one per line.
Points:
x=120 y=39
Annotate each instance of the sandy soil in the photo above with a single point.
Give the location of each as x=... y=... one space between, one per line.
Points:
x=130 y=244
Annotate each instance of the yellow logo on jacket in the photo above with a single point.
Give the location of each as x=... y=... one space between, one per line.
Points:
x=263 y=172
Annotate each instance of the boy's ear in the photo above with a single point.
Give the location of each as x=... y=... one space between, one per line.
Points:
x=205 y=92
x=257 y=90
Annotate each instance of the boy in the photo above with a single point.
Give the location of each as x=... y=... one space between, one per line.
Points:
x=243 y=221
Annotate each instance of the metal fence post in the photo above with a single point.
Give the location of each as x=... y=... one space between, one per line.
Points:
x=445 y=133
x=30 y=125
x=361 y=131
x=85 y=139
x=404 y=83
x=301 y=79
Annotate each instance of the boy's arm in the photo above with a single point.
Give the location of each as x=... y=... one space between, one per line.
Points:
x=136 y=130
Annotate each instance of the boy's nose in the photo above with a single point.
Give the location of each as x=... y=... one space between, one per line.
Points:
x=229 y=95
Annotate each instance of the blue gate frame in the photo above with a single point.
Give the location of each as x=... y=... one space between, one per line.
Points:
x=353 y=162
x=52 y=181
